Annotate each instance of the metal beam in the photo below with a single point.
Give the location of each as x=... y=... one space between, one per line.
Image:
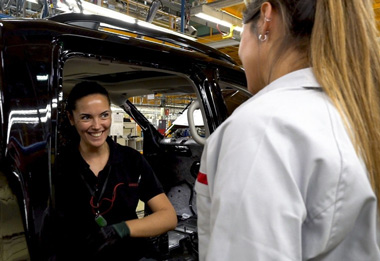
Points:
x=214 y=13
x=209 y=24
x=223 y=3
x=223 y=43
x=173 y=6
x=235 y=35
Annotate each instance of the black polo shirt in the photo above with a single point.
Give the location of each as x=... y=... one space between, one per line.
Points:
x=114 y=194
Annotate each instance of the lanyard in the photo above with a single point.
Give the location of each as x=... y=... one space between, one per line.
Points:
x=93 y=192
x=95 y=208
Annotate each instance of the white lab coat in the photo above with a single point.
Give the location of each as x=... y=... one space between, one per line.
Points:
x=280 y=180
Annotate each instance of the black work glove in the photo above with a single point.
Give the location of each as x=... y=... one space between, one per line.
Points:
x=108 y=236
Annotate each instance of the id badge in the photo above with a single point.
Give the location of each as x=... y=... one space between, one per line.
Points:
x=101 y=221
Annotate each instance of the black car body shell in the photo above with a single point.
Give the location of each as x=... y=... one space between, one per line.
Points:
x=32 y=56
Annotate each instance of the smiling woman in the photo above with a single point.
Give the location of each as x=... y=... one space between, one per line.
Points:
x=91 y=117
x=106 y=180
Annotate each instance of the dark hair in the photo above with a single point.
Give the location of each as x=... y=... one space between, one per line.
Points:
x=298 y=17
x=84 y=89
x=299 y=14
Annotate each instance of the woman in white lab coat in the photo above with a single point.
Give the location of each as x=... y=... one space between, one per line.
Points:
x=293 y=174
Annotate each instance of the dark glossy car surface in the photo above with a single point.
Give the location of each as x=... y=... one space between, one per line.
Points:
x=41 y=60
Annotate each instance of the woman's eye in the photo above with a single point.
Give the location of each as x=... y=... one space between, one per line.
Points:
x=105 y=115
x=85 y=117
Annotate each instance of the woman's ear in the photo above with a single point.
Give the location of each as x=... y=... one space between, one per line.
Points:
x=266 y=16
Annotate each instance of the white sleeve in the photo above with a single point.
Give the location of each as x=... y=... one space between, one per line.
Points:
x=285 y=185
x=257 y=210
x=203 y=207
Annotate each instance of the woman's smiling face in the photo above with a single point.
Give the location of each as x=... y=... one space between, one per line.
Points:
x=92 y=120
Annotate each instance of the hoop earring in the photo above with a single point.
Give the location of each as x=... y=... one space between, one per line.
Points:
x=263 y=39
x=267 y=19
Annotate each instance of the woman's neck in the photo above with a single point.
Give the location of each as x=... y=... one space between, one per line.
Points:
x=93 y=151
x=96 y=158
x=290 y=62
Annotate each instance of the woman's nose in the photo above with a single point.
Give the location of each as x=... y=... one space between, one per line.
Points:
x=96 y=123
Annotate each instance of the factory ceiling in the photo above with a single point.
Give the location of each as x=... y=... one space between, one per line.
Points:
x=210 y=34
x=178 y=15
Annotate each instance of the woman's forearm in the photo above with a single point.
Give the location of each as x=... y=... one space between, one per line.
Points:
x=163 y=219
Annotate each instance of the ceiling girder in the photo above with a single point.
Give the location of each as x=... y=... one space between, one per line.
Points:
x=223 y=3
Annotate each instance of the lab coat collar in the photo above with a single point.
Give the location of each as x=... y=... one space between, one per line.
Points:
x=303 y=78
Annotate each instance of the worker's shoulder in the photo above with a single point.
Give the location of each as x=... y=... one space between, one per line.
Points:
x=288 y=105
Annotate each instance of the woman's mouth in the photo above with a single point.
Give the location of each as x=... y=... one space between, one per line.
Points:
x=96 y=134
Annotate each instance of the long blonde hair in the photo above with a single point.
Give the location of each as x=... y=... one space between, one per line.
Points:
x=345 y=57
x=339 y=39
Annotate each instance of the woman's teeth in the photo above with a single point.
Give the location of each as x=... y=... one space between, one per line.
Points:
x=96 y=134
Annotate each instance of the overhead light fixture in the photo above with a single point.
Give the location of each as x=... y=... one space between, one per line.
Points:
x=163 y=29
x=89 y=8
x=213 y=19
x=217 y=17
x=238 y=28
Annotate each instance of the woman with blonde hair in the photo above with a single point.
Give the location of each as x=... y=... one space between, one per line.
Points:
x=302 y=178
